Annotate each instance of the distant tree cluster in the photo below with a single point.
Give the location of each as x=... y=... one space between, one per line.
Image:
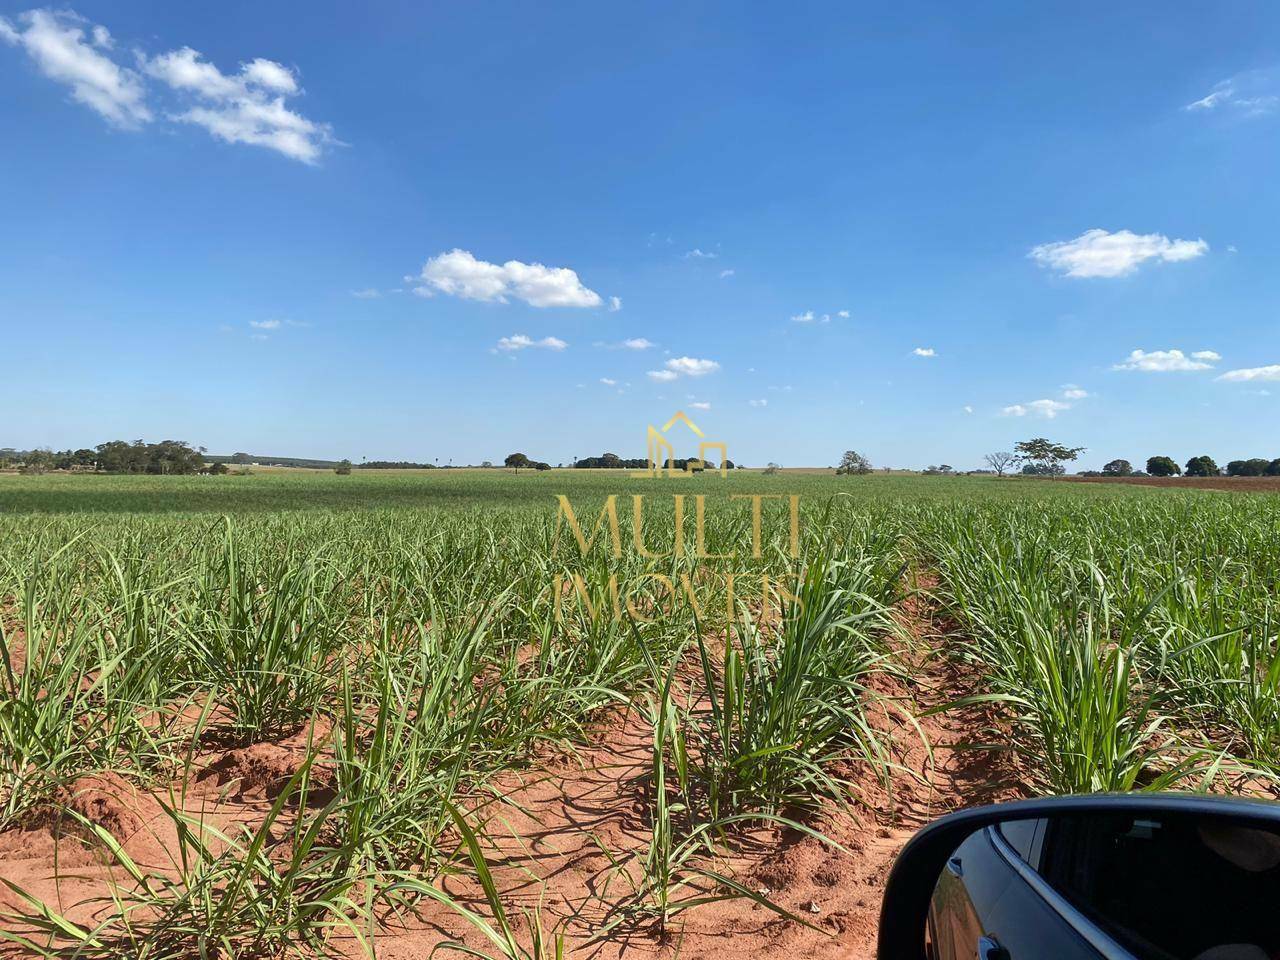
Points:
x=853 y=464
x=115 y=456
x=1256 y=467
x=518 y=460
x=610 y=461
x=1201 y=466
x=165 y=457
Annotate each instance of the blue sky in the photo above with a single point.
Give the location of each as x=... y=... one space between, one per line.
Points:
x=237 y=226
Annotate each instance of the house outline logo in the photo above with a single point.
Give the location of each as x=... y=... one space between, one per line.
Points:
x=661 y=451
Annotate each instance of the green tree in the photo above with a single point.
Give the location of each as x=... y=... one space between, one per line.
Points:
x=38 y=461
x=1048 y=456
x=853 y=463
x=1201 y=467
x=343 y=468
x=1162 y=467
x=516 y=461
x=172 y=457
x=1117 y=468
x=1255 y=467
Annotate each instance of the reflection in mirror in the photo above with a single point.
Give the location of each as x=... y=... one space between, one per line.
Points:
x=1115 y=885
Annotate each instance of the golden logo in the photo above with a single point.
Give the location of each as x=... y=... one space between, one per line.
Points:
x=661 y=451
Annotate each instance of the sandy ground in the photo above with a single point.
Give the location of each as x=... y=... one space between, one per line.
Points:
x=567 y=835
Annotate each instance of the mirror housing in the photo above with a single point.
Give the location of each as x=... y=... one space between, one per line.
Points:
x=912 y=880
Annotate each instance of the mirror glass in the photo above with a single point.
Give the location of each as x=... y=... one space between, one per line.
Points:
x=1168 y=887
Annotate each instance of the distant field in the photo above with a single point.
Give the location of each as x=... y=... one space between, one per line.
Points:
x=291 y=489
x=296 y=713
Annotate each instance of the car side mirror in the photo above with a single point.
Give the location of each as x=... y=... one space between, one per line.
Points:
x=1160 y=876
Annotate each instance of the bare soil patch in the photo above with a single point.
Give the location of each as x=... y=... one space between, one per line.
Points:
x=1234 y=484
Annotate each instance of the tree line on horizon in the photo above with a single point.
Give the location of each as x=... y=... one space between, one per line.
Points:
x=1035 y=457
x=1201 y=466
x=166 y=458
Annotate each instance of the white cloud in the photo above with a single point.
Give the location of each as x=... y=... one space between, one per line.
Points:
x=758 y=403
x=1071 y=392
x=700 y=405
x=245 y=107
x=1246 y=374
x=1038 y=408
x=638 y=343
x=924 y=352
x=57 y=44
x=1214 y=99
x=696 y=254
x=968 y=408
x=725 y=274
x=608 y=382
x=459 y=274
x=521 y=342
x=1248 y=94
x=662 y=376
x=270 y=76
x=810 y=317
x=1167 y=361
x=265 y=324
x=1097 y=253
x=368 y=293
x=842 y=314
x=692 y=366
x=615 y=304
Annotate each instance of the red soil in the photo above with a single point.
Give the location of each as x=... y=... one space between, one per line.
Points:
x=1234 y=484
x=568 y=836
